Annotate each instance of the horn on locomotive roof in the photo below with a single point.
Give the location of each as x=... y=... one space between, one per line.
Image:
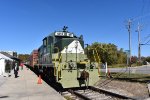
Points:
x=65 y=29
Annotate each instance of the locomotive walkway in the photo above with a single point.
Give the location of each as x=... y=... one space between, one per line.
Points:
x=25 y=87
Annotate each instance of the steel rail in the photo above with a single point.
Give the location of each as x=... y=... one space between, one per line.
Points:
x=111 y=93
x=73 y=91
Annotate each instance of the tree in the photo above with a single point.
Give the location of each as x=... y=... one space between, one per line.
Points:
x=23 y=57
x=134 y=59
x=107 y=53
x=122 y=58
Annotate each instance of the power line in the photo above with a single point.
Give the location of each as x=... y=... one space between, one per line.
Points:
x=145 y=38
x=147 y=42
x=140 y=17
x=142 y=10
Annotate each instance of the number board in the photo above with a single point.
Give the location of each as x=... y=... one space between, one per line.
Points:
x=63 y=34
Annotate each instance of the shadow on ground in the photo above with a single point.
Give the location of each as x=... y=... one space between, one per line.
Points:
x=4 y=96
x=141 y=78
x=57 y=86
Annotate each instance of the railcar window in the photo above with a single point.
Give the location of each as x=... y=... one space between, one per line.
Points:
x=45 y=42
x=50 y=40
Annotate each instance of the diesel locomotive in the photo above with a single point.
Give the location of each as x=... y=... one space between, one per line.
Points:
x=61 y=58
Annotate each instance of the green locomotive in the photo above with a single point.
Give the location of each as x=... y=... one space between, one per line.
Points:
x=61 y=58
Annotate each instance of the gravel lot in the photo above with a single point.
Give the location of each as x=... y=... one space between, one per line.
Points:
x=133 y=89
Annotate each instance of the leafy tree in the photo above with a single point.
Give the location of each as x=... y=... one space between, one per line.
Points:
x=23 y=57
x=106 y=53
x=134 y=59
x=122 y=58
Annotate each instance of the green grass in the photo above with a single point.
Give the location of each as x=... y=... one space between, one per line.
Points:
x=123 y=65
x=141 y=78
x=117 y=66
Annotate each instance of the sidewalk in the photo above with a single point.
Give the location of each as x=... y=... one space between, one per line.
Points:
x=25 y=87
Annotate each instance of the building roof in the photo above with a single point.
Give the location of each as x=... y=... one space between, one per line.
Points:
x=10 y=56
x=2 y=56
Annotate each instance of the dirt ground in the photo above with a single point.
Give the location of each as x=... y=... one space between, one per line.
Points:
x=133 y=89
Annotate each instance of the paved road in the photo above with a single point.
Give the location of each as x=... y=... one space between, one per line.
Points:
x=143 y=69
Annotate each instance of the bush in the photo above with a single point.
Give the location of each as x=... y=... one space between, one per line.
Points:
x=118 y=65
x=139 y=63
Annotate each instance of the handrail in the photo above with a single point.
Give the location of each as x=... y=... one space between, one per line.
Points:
x=97 y=56
x=55 y=62
x=59 y=67
x=59 y=61
x=58 y=53
x=96 y=60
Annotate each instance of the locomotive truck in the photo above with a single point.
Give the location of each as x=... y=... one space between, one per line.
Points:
x=62 y=59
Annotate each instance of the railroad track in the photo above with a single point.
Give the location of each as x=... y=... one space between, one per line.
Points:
x=92 y=93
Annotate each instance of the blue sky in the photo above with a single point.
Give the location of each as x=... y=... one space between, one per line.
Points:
x=24 y=23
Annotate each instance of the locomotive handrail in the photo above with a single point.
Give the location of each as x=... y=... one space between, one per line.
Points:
x=83 y=62
x=96 y=54
x=66 y=47
x=44 y=64
x=59 y=69
x=55 y=61
x=96 y=60
x=58 y=52
x=59 y=62
x=59 y=59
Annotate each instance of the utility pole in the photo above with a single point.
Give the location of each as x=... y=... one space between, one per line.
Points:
x=129 y=30
x=139 y=41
